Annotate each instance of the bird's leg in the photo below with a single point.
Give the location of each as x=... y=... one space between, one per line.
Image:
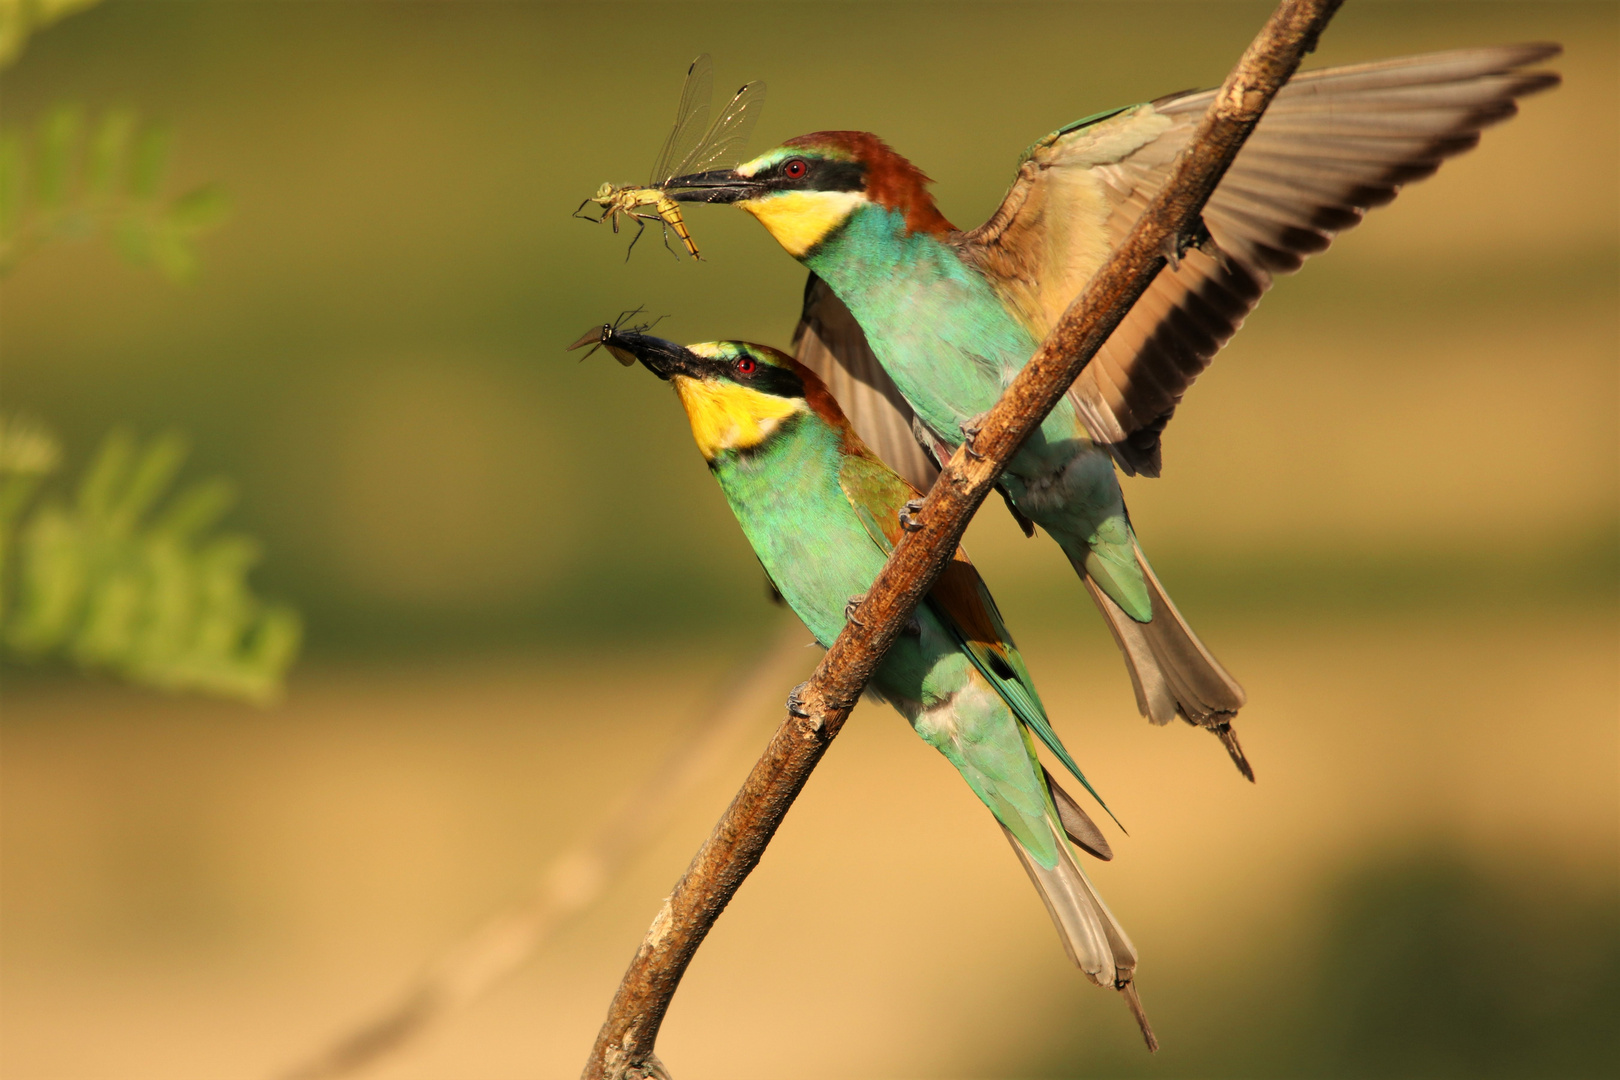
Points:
x=908 y=515
x=853 y=605
x=970 y=431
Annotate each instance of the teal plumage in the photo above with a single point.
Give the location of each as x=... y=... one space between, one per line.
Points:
x=919 y=326
x=821 y=513
x=919 y=302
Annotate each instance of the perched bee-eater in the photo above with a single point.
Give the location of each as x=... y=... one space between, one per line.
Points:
x=822 y=514
x=951 y=316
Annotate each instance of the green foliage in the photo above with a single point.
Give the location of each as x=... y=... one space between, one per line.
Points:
x=21 y=18
x=118 y=580
x=73 y=180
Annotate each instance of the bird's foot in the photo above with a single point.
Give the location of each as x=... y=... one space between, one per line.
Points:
x=1176 y=247
x=851 y=606
x=970 y=432
x=908 y=515
x=648 y=1068
x=795 y=702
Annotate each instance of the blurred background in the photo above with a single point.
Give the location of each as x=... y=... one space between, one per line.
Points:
x=1391 y=508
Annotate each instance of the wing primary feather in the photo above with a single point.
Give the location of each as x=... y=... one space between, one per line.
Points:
x=1335 y=143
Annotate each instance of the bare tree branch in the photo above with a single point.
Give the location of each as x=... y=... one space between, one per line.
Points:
x=624 y=1047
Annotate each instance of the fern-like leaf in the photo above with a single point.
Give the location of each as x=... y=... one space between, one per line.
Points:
x=73 y=180
x=116 y=580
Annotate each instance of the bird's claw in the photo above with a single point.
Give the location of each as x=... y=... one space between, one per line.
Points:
x=970 y=432
x=851 y=606
x=1177 y=246
x=795 y=702
x=908 y=515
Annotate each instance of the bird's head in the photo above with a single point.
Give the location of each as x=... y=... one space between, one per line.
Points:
x=806 y=189
x=736 y=394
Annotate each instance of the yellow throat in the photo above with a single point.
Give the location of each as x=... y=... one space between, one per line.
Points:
x=799 y=219
x=726 y=416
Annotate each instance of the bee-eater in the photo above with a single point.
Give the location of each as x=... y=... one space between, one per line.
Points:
x=951 y=316
x=821 y=512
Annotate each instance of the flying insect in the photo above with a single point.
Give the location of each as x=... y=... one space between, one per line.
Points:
x=606 y=335
x=690 y=148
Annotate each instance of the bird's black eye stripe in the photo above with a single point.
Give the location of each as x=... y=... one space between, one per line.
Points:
x=818 y=174
x=766 y=378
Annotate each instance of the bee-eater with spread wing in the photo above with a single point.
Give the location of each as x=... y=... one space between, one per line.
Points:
x=821 y=512
x=949 y=316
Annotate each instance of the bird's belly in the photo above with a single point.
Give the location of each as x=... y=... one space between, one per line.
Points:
x=1065 y=485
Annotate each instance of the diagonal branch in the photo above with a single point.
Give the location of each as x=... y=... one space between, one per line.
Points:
x=624 y=1047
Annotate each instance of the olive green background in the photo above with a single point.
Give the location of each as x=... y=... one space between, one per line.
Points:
x=1390 y=507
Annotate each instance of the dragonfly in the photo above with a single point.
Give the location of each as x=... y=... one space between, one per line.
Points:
x=693 y=145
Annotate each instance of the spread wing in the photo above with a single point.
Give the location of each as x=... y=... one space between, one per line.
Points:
x=959 y=599
x=1333 y=144
x=830 y=343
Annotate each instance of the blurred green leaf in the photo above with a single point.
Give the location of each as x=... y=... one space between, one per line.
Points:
x=109 y=151
x=171 y=252
x=58 y=139
x=118 y=581
x=74 y=180
x=200 y=209
x=20 y=18
x=150 y=162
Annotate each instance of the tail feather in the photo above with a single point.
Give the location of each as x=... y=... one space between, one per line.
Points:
x=1077 y=824
x=1091 y=935
x=1171 y=671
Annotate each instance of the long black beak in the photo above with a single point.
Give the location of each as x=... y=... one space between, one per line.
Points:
x=715 y=186
x=662 y=358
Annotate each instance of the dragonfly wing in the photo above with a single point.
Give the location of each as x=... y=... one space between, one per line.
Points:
x=691 y=117
x=723 y=146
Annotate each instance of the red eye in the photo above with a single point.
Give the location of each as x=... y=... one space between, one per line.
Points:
x=746 y=366
x=795 y=168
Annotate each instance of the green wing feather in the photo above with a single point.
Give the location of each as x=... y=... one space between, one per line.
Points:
x=960 y=600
